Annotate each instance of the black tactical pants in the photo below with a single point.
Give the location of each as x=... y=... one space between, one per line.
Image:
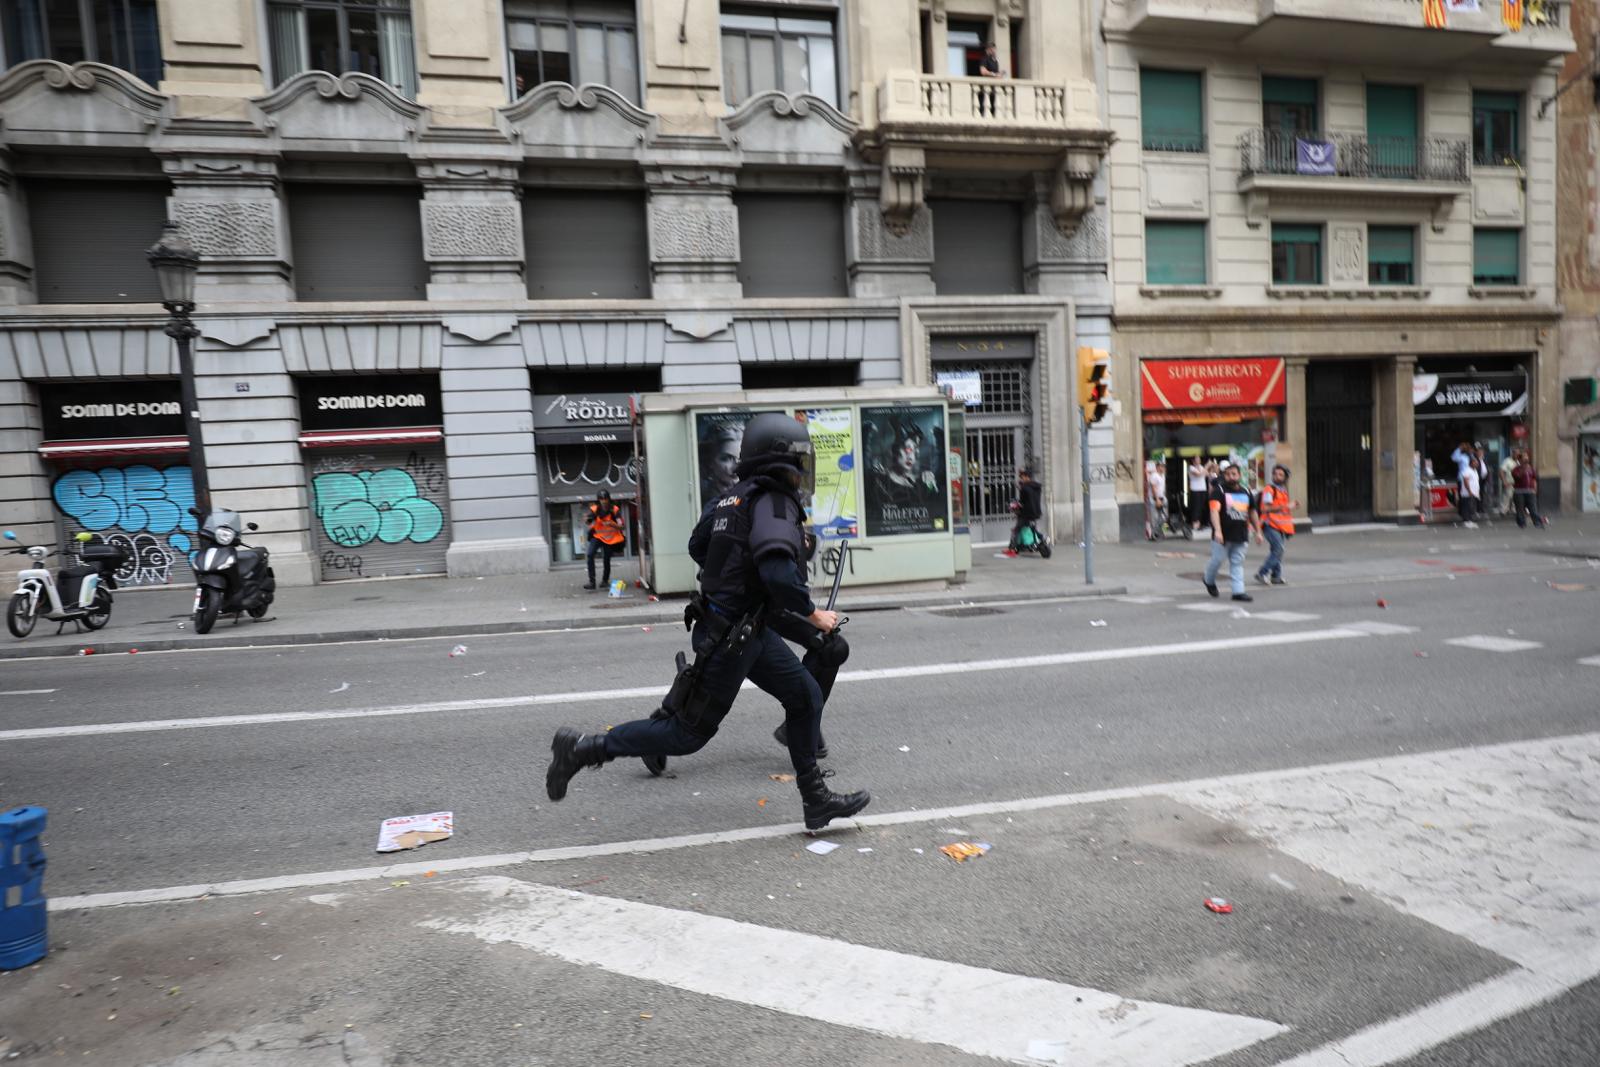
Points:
x=768 y=662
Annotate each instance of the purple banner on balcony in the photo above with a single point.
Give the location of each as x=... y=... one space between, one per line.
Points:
x=1315 y=157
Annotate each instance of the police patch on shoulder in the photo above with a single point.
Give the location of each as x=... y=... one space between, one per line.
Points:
x=728 y=502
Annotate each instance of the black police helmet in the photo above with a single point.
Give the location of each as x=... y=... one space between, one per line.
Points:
x=773 y=439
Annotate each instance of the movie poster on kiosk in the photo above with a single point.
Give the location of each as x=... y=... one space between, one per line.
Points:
x=904 y=452
x=718 y=437
x=832 y=511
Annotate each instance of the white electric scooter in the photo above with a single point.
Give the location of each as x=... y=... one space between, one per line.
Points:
x=80 y=594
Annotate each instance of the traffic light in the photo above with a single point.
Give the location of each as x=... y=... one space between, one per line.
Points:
x=1094 y=383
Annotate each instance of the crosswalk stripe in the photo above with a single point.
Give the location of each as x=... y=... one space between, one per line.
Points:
x=1207 y=607
x=1145 y=599
x=979 y=1011
x=1284 y=616
x=1491 y=643
x=1592 y=661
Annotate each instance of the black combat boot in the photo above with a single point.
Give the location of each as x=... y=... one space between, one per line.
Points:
x=822 y=804
x=571 y=752
x=781 y=735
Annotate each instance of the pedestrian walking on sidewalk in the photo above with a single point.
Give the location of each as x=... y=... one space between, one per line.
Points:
x=750 y=547
x=1235 y=515
x=1525 y=484
x=1277 y=524
x=605 y=534
x=1471 y=494
x=1198 y=491
x=1507 y=469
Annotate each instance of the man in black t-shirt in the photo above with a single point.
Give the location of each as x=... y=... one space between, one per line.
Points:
x=989 y=65
x=1235 y=513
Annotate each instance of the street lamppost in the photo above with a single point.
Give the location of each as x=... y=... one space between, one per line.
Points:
x=176 y=263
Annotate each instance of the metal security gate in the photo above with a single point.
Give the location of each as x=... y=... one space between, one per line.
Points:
x=379 y=512
x=1339 y=442
x=999 y=438
x=138 y=503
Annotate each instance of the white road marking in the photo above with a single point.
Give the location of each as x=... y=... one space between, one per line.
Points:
x=1496 y=845
x=1492 y=643
x=25 y=692
x=1380 y=629
x=1285 y=616
x=927 y=670
x=949 y=815
x=1145 y=599
x=1592 y=661
x=1433 y=1024
x=1206 y=605
x=976 y=1010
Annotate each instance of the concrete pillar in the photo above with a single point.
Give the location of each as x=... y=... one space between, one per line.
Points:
x=24 y=478
x=16 y=244
x=1545 y=411
x=1394 y=432
x=694 y=232
x=1054 y=264
x=881 y=262
x=214 y=55
x=472 y=230
x=1294 y=433
x=461 y=60
x=682 y=75
x=230 y=209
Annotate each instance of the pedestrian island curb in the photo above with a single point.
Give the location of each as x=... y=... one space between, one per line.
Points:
x=660 y=613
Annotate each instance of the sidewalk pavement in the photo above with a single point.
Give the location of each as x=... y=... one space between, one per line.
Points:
x=152 y=620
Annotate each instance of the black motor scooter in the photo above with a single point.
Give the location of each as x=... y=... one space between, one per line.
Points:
x=229 y=576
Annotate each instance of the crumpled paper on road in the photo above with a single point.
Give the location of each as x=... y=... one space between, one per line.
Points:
x=414 y=831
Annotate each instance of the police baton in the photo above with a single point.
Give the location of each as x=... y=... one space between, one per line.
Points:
x=838 y=576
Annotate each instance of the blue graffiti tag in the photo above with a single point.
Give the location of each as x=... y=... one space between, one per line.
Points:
x=133 y=507
x=383 y=505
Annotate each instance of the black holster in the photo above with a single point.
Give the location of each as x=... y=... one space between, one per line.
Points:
x=686 y=699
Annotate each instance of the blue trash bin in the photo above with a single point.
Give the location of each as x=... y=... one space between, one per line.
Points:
x=22 y=905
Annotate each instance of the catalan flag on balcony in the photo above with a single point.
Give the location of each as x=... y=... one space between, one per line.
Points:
x=1511 y=12
x=1433 y=14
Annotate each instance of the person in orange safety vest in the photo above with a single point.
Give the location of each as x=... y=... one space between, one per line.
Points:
x=1277 y=524
x=605 y=534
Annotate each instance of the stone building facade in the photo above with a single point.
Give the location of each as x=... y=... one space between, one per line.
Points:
x=1334 y=244
x=1578 y=259
x=443 y=241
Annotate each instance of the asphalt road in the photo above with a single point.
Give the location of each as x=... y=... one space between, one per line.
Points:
x=1101 y=894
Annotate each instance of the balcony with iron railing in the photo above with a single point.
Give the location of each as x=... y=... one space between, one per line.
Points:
x=1371 y=31
x=1427 y=172
x=1333 y=156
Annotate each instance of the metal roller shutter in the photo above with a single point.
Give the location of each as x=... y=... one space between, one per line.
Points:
x=139 y=503
x=357 y=242
x=585 y=244
x=791 y=245
x=379 y=512
x=977 y=247
x=89 y=239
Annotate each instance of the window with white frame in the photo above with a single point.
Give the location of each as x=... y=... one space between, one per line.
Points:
x=343 y=37
x=577 y=41
x=121 y=33
x=762 y=51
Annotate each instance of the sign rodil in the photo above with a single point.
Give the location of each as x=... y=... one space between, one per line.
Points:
x=584 y=409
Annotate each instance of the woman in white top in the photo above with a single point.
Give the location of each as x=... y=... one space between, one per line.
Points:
x=1197 y=492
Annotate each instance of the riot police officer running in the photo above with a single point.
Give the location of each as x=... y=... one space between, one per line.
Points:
x=750 y=548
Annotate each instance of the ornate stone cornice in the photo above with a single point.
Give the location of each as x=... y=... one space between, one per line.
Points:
x=344 y=88
x=567 y=97
x=86 y=78
x=798 y=106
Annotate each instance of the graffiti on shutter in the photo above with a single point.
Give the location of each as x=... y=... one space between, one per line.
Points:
x=380 y=513
x=140 y=507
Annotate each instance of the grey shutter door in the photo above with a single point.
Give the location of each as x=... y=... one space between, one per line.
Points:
x=137 y=503
x=89 y=239
x=585 y=244
x=791 y=245
x=379 y=512
x=357 y=242
x=977 y=246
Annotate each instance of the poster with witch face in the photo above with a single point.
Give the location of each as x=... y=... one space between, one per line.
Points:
x=904 y=452
x=718 y=437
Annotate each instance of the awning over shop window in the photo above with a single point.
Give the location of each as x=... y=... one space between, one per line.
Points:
x=130 y=446
x=401 y=435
